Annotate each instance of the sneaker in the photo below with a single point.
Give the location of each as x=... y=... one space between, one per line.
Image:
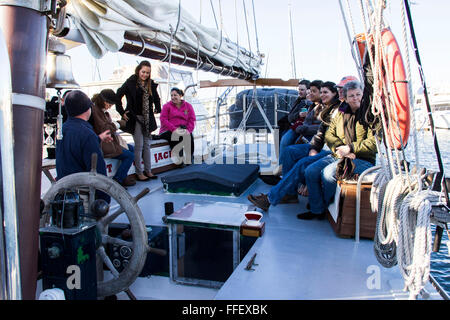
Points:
x=311 y=216
x=289 y=198
x=260 y=201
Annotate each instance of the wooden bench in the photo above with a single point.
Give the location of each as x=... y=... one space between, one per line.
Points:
x=160 y=154
x=350 y=216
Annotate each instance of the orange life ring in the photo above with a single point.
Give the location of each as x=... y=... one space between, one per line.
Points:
x=398 y=87
x=360 y=39
x=395 y=69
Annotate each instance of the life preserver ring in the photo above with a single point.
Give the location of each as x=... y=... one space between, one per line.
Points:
x=360 y=40
x=395 y=72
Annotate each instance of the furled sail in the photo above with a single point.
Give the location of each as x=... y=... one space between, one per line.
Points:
x=104 y=24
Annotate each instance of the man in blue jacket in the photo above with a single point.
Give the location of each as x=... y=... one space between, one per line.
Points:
x=74 y=151
x=79 y=142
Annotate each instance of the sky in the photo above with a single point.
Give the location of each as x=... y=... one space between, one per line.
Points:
x=321 y=44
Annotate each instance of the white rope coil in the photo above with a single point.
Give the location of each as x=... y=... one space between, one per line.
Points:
x=414 y=243
x=403 y=233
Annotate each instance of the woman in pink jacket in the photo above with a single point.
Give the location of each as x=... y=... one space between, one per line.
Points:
x=178 y=121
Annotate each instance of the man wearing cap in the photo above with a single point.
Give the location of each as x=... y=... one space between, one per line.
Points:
x=341 y=84
x=79 y=142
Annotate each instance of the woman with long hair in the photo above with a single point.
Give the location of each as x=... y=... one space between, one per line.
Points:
x=142 y=103
x=117 y=148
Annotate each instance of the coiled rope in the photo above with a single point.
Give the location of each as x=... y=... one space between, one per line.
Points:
x=414 y=241
x=403 y=232
x=405 y=211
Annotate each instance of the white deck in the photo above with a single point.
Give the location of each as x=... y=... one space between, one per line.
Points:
x=295 y=259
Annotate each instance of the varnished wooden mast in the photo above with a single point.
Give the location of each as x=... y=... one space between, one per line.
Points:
x=25 y=32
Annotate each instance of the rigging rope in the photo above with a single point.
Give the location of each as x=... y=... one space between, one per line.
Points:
x=408 y=78
x=404 y=209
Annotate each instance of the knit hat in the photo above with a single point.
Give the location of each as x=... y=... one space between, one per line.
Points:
x=76 y=103
x=109 y=96
x=346 y=79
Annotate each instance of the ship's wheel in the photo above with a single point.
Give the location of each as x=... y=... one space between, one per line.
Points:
x=127 y=204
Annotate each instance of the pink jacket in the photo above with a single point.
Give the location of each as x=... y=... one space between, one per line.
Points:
x=171 y=117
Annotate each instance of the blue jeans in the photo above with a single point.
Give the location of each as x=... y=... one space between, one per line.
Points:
x=126 y=160
x=287 y=139
x=321 y=181
x=290 y=181
x=292 y=154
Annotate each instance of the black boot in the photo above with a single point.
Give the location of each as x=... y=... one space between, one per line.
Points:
x=311 y=216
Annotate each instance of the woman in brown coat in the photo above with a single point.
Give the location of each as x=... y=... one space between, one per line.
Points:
x=101 y=121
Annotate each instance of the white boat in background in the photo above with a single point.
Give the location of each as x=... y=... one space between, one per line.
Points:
x=440 y=106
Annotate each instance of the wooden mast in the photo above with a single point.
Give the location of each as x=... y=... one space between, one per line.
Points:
x=25 y=30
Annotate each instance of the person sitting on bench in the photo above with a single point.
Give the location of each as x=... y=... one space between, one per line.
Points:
x=177 y=123
x=353 y=147
x=74 y=151
x=296 y=158
x=117 y=148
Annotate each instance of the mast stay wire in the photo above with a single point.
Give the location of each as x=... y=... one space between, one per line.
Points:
x=237 y=31
x=219 y=26
x=294 y=67
x=248 y=32
x=350 y=40
x=256 y=29
x=172 y=35
x=198 y=42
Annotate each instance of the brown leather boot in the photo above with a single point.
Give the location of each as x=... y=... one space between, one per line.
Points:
x=260 y=201
x=128 y=181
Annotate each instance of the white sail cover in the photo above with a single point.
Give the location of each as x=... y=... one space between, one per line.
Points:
x=103 y=23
